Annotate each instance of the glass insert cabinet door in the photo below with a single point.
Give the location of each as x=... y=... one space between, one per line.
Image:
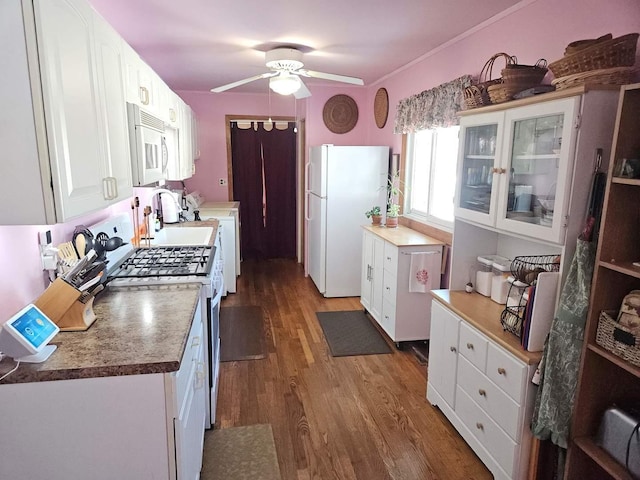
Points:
x=538 y=154
x=478 y=167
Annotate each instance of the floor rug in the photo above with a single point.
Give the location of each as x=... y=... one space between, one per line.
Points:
x=351 y=333
x=240 y=453
x=242 y=333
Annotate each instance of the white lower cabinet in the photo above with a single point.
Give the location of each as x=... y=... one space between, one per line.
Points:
x=386 y=259
x=227 y=220
x=130 y=427
x=484 y=390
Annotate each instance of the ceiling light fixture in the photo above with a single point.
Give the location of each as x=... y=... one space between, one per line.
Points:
x=285 y=83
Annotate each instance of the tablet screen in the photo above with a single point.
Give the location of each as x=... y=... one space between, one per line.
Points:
x=34 y=327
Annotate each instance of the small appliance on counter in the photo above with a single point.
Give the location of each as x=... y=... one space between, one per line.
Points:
x=618 y=435
x=170 y=203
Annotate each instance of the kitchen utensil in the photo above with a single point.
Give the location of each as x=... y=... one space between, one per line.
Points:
x=82 y=240
x=147 y=224
x=72 y=274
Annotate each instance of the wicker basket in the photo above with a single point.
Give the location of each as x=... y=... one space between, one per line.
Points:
x=617 y=52
x=478 y=95
x=531 y=75
x=617 y=339
x=573 y=47
x=605 y=76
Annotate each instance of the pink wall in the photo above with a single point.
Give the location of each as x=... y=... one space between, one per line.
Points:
x=535 y=29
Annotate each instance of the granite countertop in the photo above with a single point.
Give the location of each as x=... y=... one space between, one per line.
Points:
x=138 y=330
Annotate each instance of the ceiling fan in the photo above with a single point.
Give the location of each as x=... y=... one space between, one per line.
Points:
x=286 y=69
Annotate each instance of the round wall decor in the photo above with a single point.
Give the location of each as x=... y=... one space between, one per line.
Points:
x=381 y=107
x=340 y=114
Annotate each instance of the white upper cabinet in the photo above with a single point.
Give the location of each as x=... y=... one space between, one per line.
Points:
x=65 y=126
x=112 y=88
x=515 y=168
x=142 y=83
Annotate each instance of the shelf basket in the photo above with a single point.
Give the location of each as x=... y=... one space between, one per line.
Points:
x=525 y=271
x=617 y=338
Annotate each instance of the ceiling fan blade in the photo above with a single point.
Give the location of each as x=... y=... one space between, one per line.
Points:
x=229 y=86
x=331 y=76
x=303 y=91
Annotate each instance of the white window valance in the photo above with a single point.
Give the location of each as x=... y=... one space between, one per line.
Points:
x=432 y=108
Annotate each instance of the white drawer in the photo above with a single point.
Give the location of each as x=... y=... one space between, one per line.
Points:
x=473 y=346
x=506 y=371
x=500 y=407
x=388 y=319
x=389 y=288
x=391 y=258
x=498 y=443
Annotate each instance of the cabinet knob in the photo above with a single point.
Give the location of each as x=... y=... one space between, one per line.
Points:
x=470 y=346
x=453 y=349
x=389 y=258
x=502 y=371
x=482 y=392
x=502 y=170
x=495 y=170
x=388 y=288
x=479 y=426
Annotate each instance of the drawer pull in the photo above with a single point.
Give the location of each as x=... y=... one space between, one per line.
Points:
x=483 y=393
x=389 y=258
x=479 y=426
x=453 y=349
x=470 y=346
x=388 y=288
x=502 y=371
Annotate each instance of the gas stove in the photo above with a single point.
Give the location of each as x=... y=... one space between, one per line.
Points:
x=177 y=261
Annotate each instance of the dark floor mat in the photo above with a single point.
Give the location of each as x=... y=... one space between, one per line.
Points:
x=351 y=333
x=242 y=333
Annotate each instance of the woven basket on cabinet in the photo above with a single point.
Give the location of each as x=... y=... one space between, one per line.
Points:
x=478 y=95
x=617 y=52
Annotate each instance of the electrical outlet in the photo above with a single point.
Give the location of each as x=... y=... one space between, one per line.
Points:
x=222 y=181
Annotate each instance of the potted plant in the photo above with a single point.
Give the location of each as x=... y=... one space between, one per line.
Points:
x=393 y=199
x=375 y=214
x=392 y=215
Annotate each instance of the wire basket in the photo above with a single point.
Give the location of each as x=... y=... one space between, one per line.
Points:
x=524 y=272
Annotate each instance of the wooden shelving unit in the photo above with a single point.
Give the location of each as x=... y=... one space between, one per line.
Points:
x=604 y=378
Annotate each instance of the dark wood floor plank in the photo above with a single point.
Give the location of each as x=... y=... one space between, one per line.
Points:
x=346 y=418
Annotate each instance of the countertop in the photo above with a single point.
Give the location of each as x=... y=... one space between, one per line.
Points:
x=484 y=314
x=220 y=205
x=402 y=236
x=138 y=330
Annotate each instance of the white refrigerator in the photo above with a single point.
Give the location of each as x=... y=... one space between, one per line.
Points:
x=343 y=182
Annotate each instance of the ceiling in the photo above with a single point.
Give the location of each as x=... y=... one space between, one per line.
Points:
x=200 y=44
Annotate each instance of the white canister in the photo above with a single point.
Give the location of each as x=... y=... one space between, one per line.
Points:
x=483 y=275
x=500 y=271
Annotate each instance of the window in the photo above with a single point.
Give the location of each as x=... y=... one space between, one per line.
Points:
x=431 y=176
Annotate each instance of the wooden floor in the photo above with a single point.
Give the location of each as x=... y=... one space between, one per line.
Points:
x=362 y=417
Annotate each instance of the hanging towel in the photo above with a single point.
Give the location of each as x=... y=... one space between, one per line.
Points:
x=424 y=272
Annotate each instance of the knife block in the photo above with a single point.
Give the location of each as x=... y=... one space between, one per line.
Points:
x=78 y=318
x=57 y=299
x=60 y=303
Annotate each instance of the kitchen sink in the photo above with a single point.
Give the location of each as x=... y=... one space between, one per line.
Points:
x=169 y=236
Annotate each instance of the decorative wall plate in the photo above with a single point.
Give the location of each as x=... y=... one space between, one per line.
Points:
x=381 y=107
x=340 y=114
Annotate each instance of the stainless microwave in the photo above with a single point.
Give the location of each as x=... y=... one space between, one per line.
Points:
x=149 y=154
